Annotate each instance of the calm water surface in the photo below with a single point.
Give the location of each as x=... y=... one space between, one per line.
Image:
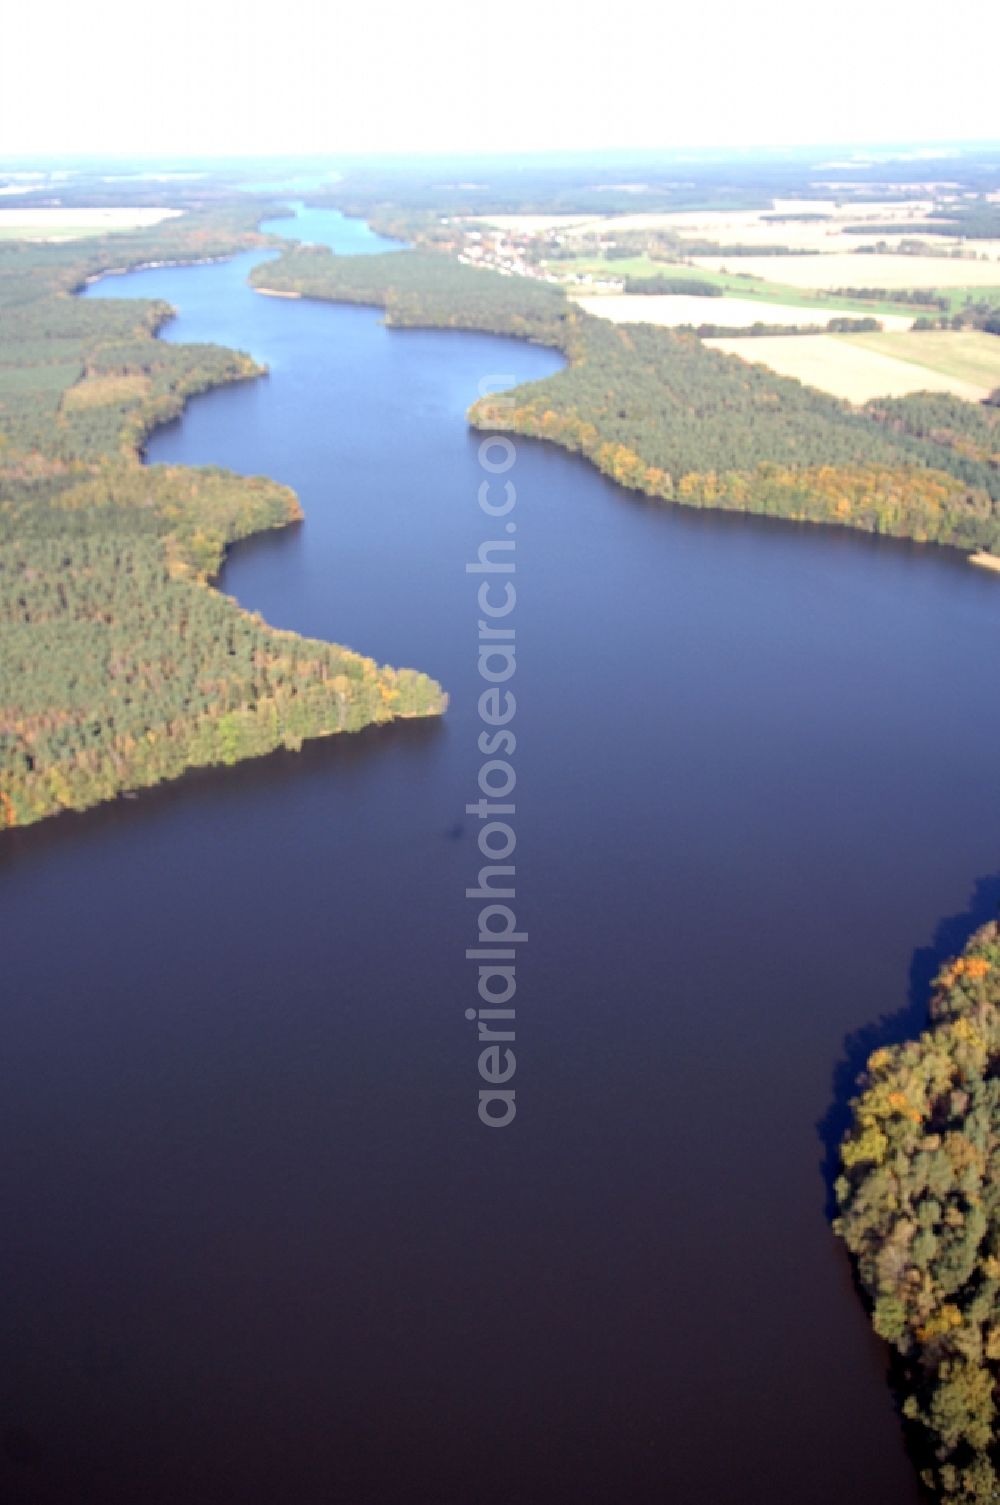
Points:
x=327 y=227
x=259 y=1248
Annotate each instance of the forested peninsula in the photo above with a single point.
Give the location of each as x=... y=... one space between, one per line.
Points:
x=665 y=416
x=120 y=665
x=919 y=1199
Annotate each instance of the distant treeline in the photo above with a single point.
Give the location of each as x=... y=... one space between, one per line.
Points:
x=979 y=221
x=979 y=310
x=841 y=324
x=919 y=297
x=562 y=187
x=628 y=182
x=983 y=315
x=119 y=666
x=901 y=227
x=694 y=247
x=662 y=414
x=691 y=287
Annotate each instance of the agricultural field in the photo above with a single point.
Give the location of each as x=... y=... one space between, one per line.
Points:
x=536 y=224
x=671 y=310
x=822 y=306
x=845 y=270
x=76 y=224
x=784 y=224
x=769 y=227
x=968 y=355
x=858 y=367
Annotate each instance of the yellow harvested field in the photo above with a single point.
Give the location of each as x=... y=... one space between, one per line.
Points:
x=969 y=355
x=723 y=221
x=752 y=227
x=840 y=365
x=533 y=224
x=671 y=310
x=37 y=224
x=826 y=236
x=824 y=273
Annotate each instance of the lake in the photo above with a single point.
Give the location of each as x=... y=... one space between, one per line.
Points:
x=260 y=1247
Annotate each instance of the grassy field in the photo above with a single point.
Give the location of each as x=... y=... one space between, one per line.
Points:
x=756 y=288
x=58 y=232
x=672 y=309
x=958 y=296
x=857 y=367
x=968 y=355
x=75 y=224
x=821 y=273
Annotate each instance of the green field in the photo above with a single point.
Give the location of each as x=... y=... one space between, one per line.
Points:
x=966 y=354
x=958 y=296
x=58 y=232
x=754 y=288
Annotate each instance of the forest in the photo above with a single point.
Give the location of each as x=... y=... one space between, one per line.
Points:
x=969 y=428
x=919 y=1198
x=424 y=289
x=120 y=666
x=658 y=412
x=663 y=415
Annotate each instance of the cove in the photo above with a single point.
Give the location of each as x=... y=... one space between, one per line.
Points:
x=261 y=1247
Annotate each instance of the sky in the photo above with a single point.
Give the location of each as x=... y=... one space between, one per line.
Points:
x=217 y=77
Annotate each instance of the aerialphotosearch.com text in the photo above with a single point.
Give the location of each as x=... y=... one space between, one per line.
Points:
x=498 y=936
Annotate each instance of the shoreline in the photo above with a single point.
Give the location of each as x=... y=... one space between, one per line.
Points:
x=150 y=266
x=985 y=560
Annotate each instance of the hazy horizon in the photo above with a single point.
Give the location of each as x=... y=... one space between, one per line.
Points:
x=213 y=79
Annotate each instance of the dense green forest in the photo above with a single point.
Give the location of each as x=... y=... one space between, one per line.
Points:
x=82 y=379
x=969 y=428
x=119 y=665
x=423 y=288
x=662 y=414
x=919 y=1199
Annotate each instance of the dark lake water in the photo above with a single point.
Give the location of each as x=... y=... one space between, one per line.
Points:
x=259 y=1247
